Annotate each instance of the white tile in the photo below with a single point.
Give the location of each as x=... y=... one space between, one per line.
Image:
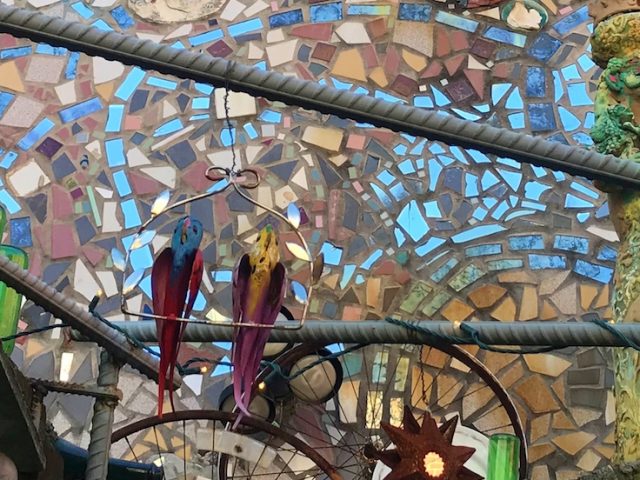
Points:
x=276 y=35
x=353 y=33
x=257 y=7
x=110 y=221
x=67 y=92
x=136 y=158
x=240 y=104
x=181 y=31
x=27 y=179
x=83 y=281
x=165 y=175
x=104 y=71
x=108 y=281
x=232 y=10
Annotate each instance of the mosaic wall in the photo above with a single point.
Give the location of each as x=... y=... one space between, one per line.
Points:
x=408 y=227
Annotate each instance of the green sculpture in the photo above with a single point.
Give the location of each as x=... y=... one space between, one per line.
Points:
x=10 y=300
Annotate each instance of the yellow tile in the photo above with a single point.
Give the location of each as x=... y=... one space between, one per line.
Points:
x=379 y=77
x=539 y=427
x=589 y=461
x=506 y=311
x=349 y=64
x=587 y=294
x=105 y=90
x=572 y=443
x=456 y=311
x=327 y=138
x=373 y=293
x=548 y=312
x=546 y=364
x=487 y=295
x=10 y=77
x=414 y=60
x=535 y=393
x=529 y=303
x=603 y=299
x=562 y=422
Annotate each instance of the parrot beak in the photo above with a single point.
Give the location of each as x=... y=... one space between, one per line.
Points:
x=185 y=227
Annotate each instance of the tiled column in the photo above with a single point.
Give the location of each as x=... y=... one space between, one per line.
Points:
x=616 y=48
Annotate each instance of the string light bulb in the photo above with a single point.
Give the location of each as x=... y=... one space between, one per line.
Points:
x=262 y=386
x=433 y=464
x=204 y=369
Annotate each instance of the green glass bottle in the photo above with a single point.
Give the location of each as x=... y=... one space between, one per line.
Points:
x=504 y=457
x=10 y=300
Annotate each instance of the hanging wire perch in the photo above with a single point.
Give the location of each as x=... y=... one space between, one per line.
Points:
x=241 y=180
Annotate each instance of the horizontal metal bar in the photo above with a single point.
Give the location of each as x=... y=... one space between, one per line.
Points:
x=274 y=86
x=556 y=334
x=70 y=313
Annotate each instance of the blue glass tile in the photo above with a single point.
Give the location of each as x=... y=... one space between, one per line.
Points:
x=526 y=242
x=441 y=99
x=382 y=196
x=122 y=183
x=516 y=120
x=582 y=139
x=251 y=131
x=471 y=185
x=568 y=119
x=514 y=101
x=589 y=120
x=373 y=258
x=35 y=134
x=8 y=160
x=434 y=172
x=541 y=117
x=130 y=213
x=540 y=262
x=140 y=257
x=488 y=180
x=387 y=97
x=558 y=88
x=498 y=90
x=406 y=167
x=204 y=88
x=400 y=149
x=122 y=18
x=534 y=205
x=325 y=12
x=82 y=10
x=228 y=137
x=162 y=83
x=400 y=238
x=505 y=36
x=599 y=273
x=430 y=246
x=432 y=209
x=201 y=116
x=115 y=152
x=534 y=190
x=571 y=201
x=544 y=47
x=200 y=103
x=423 y=101
x=513 y=179
x=416 y=12
x=347 y=273
x=586 y=63
x=114 y=119
x=79 y=110
x=412 y=221
x=579 y=187
x=102 y=25
x=46 y=49
x=206 y=37
x=285 y=18
x=247 y=26
x=607 y=254
x=571 y=243
x=500 y=210
x=478 y=156
x=20 y=229
x=168 y=127
x=571 y=21
x=456 y=21
x=72 y=66
x=376 y=10
x=9 y=202
x=130 y=83
x=386 y=177
x=483 y=250
x=5 y=99
x=505 y=264
x=442 y=272
x=223 y=276
x=332 y=254
x=270 y=116
x=477 y=232
x=480 y=213
x=15 y=52
x=178 y=45
x=578 y=96
x=466 y=115
x=536 y=82
x=570 y=72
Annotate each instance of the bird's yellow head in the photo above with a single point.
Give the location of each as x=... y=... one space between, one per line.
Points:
x=265 y=254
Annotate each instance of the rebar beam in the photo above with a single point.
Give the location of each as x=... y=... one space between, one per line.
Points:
x=102 y=422
x=274 y=86
x=556 y=334
x=70 y=313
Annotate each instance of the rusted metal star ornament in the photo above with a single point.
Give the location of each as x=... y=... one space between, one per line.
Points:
x=424 y=452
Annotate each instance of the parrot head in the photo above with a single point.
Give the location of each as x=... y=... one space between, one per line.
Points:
x=265 y=254
x=186 y=239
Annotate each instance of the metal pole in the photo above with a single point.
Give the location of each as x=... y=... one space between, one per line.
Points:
x=557 y=334
x=72 y=314
x=202 y=67
x=102 y=422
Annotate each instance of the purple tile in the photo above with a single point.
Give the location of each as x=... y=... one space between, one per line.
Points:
x=49 y=147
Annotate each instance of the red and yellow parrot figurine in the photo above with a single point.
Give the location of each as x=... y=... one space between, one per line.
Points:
x=176 y=272
x=259 y=284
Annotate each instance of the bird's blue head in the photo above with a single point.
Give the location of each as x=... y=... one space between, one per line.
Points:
x=186 y=239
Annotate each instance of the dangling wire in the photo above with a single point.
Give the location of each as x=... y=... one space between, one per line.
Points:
x=227 y=118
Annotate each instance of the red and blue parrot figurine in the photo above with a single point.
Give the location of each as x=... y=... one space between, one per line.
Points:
x=259 y=284
x=176 y=272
